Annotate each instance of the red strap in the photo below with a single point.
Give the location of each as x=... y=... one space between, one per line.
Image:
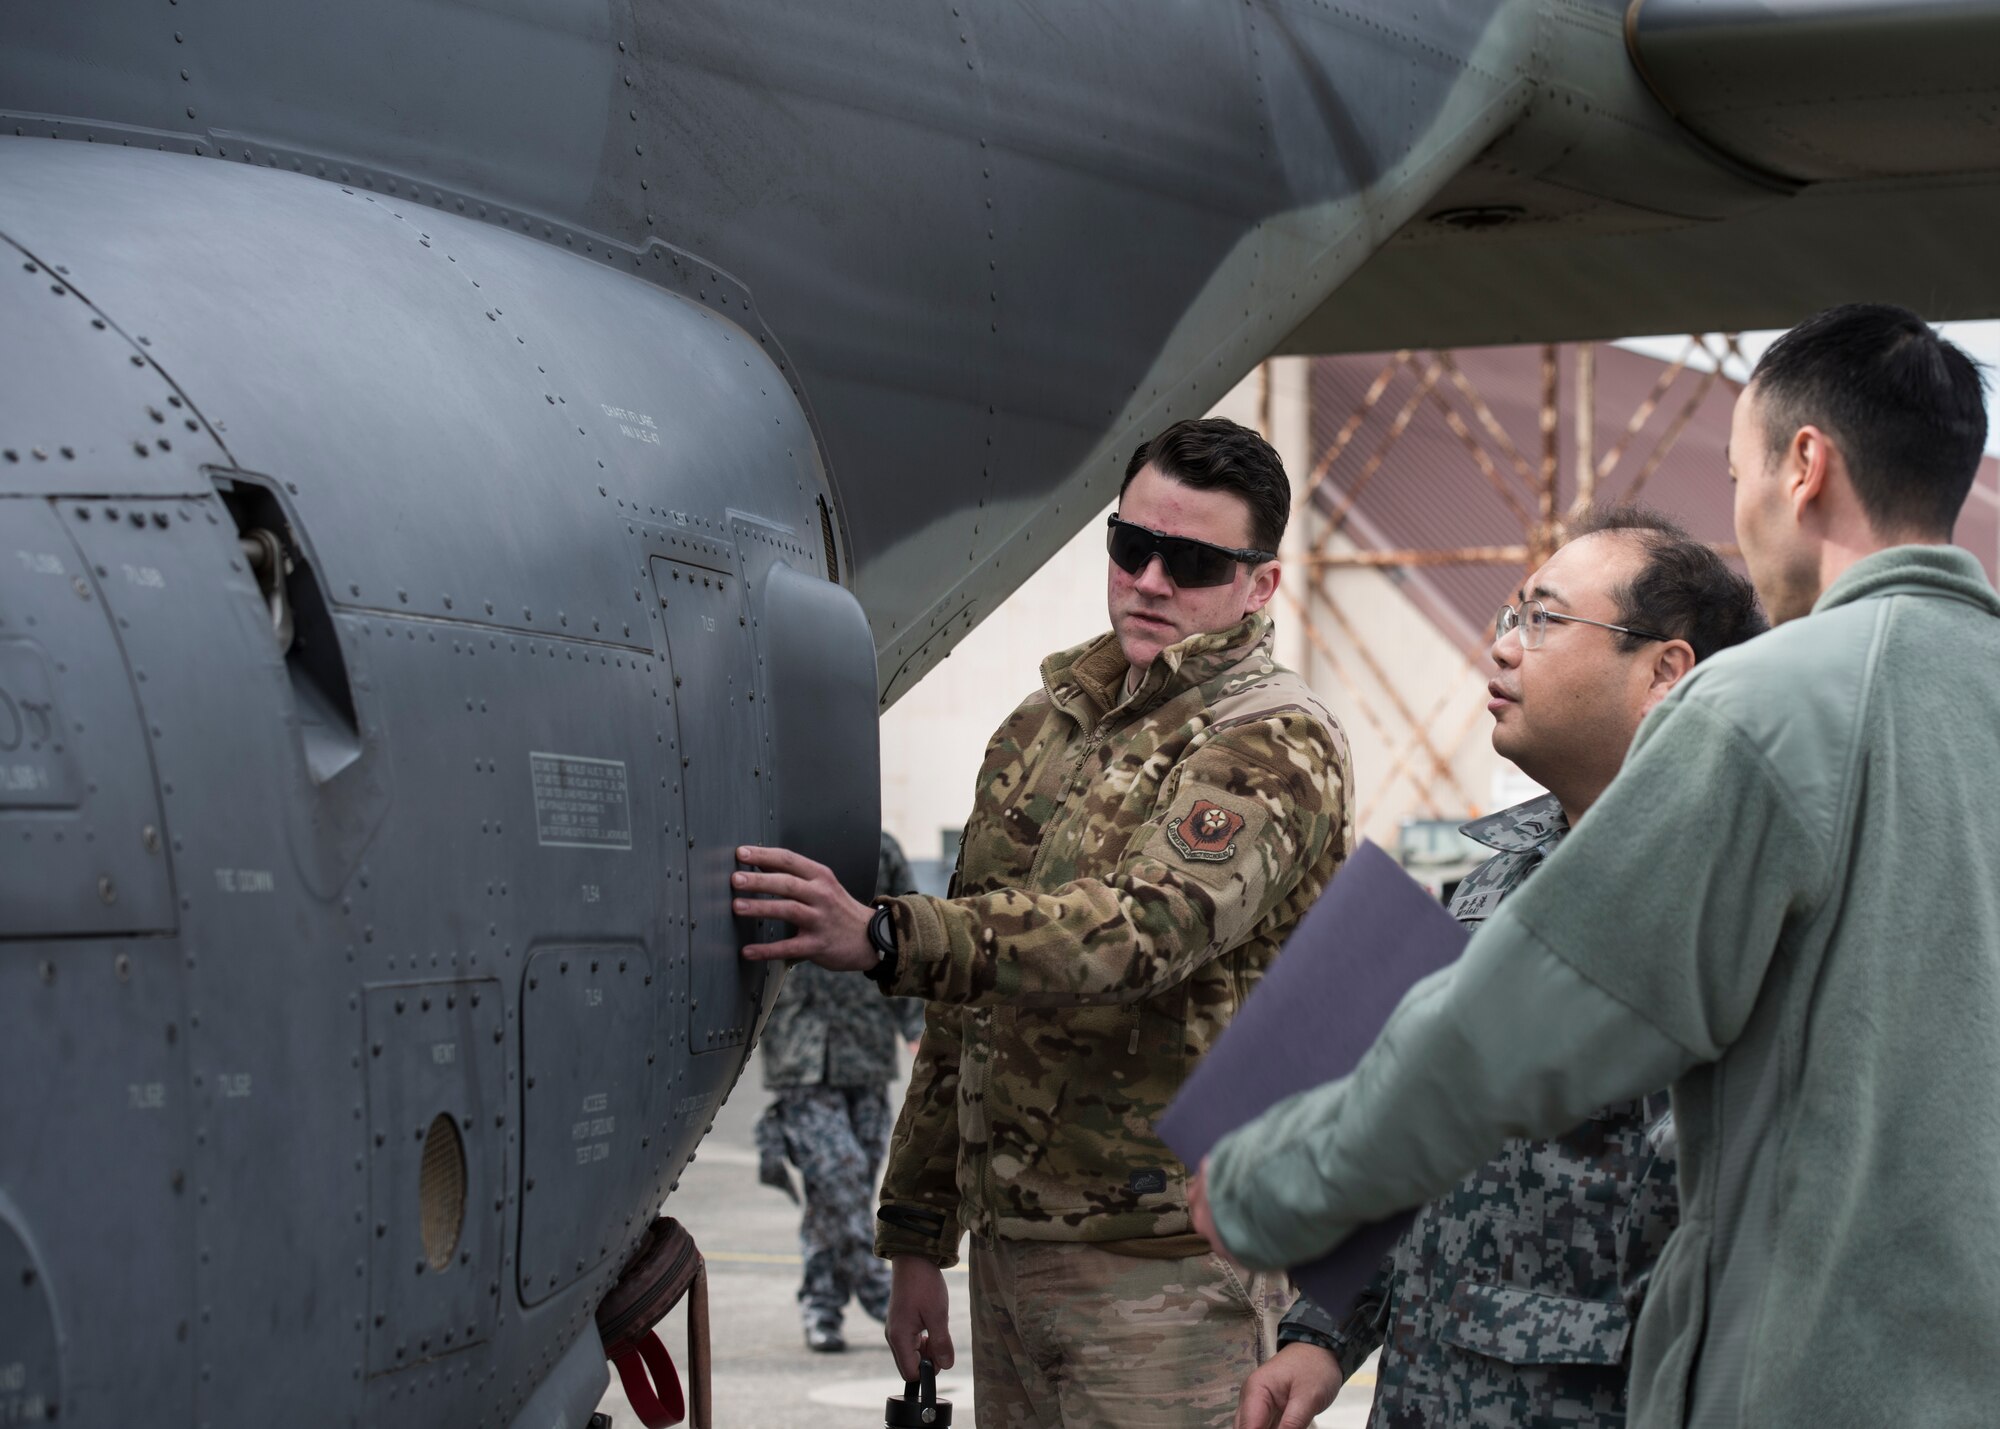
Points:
x=655 y=1410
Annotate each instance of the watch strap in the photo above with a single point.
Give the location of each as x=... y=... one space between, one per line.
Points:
x=882 y=937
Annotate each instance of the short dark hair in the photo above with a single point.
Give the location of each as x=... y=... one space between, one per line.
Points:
x=1685 y=590
x=1214 y=453
x=1906 y=408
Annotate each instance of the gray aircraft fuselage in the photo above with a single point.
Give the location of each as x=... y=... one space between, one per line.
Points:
x=467 y=465
x=367 y=972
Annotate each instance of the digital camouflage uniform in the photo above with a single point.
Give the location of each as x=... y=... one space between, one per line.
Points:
x=1511 y=1300
x=1130 y=868
x=829 y=1056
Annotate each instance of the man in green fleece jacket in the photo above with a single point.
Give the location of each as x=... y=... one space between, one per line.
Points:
x=1788 y=906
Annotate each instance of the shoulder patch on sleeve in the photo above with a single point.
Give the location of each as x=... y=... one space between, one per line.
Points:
x=1206 y=832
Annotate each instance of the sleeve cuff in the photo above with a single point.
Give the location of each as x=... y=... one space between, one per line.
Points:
x=920 y=943
x=1290 y=1333
x=1306 y=1323
x=1350 y=1341
x=1350 y=1355
x=904 y=1230
x=1251 y=1210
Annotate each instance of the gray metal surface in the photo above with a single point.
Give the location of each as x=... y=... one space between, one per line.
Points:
x=1922 y=244
x=585 y=1013
x=363 y=850
x=1842 y=89
x=907 y=210
x=1816 y=153
x=101 y=1180
x=826 y=762
x=32 y=1377
x=706 y=616
x=82 y=838
x=434 y=1049
x=428 y=434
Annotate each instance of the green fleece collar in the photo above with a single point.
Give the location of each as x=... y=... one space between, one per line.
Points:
x=1948 y=571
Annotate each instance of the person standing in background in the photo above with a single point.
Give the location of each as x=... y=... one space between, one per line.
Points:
x=829 y=1056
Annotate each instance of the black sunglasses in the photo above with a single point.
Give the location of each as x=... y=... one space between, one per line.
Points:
x=1190 y=564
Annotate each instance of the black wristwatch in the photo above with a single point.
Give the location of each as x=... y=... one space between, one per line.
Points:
x=882 y=938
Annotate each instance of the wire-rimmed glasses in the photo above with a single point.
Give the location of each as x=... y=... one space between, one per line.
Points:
x=1532 y=617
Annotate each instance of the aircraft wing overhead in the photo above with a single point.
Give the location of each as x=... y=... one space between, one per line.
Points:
x=1836 y=150
x=991 y=249
x=1829 y=89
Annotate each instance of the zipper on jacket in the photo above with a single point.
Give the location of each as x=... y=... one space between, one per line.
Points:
x=989 y=1017
x=1090 y=744
x=984 y=1018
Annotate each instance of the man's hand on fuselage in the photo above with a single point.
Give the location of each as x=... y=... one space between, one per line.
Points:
x=830 y=927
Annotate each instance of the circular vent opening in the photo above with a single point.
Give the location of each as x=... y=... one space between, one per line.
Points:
x=441 y=1191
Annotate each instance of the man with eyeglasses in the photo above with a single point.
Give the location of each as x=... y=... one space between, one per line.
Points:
x=1787 y=905
x=1511 y=1298
x=1147 y=827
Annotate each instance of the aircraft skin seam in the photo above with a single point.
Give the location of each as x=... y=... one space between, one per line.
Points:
x=690 y=278
x=139 y=350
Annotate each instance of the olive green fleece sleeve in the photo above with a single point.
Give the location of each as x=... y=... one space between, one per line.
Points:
x=1675 y=890
x=1510 y=1041
x=1636 y=953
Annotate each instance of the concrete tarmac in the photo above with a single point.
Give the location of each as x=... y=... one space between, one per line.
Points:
x=764 y=1376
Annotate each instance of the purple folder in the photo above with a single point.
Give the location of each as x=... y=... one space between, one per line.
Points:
x=1372 y=935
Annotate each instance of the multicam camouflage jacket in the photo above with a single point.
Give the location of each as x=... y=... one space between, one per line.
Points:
x=1131 y=866
x=834 y=1029
x=1511 y=1299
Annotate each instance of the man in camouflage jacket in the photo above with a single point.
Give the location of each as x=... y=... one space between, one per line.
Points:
x=829 y=1056
x=1511 y=1299
x=1147 y=827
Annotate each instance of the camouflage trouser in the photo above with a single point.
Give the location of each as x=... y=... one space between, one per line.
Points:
x=836 y=1137
x=1068 y=1336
